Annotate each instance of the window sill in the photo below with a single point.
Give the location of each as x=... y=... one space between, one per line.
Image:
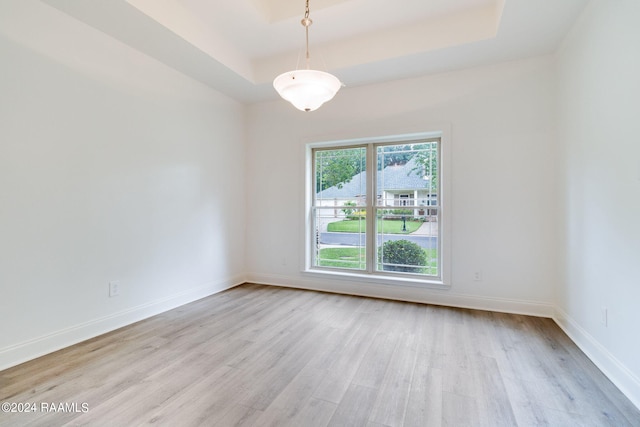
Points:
x=379 y=279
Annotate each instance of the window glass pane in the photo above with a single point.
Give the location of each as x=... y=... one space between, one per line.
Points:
x=340 y=242
x=340 y=177
x=339 y=208
x=407 y=241
x=407 y=210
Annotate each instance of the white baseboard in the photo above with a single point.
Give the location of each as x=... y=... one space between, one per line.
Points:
x=615 y=370
x=28 y=350
x=408 y=293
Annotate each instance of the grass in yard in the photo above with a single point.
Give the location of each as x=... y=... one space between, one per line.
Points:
x=355 y=259
x=384 y=225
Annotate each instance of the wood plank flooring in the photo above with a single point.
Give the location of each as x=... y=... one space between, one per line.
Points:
x=267 y=356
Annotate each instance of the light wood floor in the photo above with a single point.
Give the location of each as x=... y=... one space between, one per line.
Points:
x=268 y=356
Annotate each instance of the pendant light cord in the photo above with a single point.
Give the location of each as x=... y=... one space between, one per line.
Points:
x=306 y=22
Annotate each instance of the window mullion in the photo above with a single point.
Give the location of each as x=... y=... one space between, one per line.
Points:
x=371 y=212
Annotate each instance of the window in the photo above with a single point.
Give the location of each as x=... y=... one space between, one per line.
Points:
x=396 y=182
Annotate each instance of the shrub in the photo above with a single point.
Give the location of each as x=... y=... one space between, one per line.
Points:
x=348 y=211
x=404 y=212
x=361 y=214
x=402 y=252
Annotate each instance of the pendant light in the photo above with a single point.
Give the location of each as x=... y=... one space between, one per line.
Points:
x=307 y=89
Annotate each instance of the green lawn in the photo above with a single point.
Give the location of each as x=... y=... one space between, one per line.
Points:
x=355 y=258
x=384 y=225
x=343 y=258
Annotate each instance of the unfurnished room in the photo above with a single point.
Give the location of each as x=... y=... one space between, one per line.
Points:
x=320 y=213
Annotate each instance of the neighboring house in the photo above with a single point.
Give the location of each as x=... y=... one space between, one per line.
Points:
x=397 y=186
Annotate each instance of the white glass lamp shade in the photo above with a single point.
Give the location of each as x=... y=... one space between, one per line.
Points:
x=307 y=90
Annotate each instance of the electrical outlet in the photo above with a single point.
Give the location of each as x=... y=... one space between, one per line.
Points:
x=604 y=316
x=114 y=289
x=477 y=276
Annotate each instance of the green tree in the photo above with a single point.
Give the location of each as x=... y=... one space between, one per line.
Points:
x=337 y=167
x=426 y=160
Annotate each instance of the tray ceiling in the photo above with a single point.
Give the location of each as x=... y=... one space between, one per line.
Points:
x=239 y=46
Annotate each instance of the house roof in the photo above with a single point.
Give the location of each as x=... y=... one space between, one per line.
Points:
x=391 y=178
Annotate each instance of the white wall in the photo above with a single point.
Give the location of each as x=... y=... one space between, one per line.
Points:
x=503 y=179
x=112 y=167
x=599 y=93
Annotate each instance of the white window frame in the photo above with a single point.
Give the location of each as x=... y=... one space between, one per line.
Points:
x=371 y=276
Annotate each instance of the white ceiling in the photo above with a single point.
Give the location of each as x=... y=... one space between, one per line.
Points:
x=239 y=46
